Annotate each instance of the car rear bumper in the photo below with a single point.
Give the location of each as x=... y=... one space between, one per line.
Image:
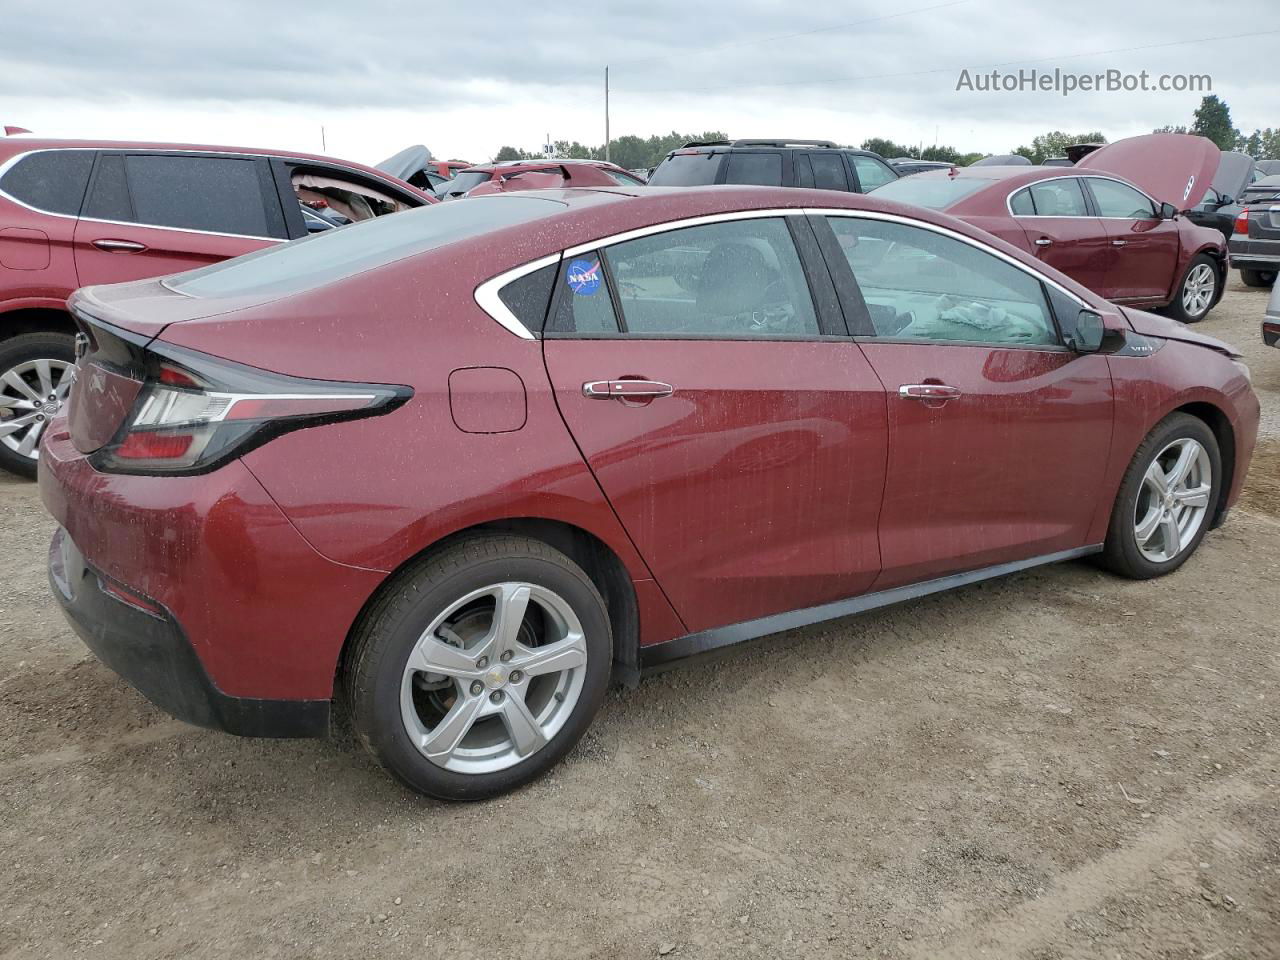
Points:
x=247 y=620
x=151 y=652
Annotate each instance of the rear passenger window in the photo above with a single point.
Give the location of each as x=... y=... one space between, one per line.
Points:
x=583 y=304
x=1061 y=197
x=761 y=169
x=740 y=279
x=50 y=180
x=828 y=171
x=217 y=194
x=109 y=198
x=1021 y=204
x=528 y=297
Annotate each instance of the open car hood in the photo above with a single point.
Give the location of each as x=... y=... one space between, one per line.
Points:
x=1154 y=325
x=407 y=162
x=1174 y=168
x=1234 y=170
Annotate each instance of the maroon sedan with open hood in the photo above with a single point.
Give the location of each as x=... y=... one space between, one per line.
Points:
x=1114 y=222
x=465 y=466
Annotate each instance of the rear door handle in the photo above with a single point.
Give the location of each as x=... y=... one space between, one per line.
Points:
x=928 y=391
x=1044 y=242
x=120 y=246
x=626 y=389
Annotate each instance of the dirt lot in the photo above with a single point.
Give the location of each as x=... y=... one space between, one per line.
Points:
x=1060 y=764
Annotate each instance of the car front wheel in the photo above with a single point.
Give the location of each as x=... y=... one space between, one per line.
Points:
x=480 y=668
x=36 y=370
x=1198 y=291
x=1166 y=499
x=1257 y=278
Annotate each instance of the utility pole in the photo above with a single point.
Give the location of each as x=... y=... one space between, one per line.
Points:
x=606 y=114
x=323 y=146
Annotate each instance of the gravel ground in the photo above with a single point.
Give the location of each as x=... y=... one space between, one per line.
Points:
x=1058 y=764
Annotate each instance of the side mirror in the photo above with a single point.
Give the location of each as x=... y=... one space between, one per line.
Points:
x=1168 y=211
x=1086 y=335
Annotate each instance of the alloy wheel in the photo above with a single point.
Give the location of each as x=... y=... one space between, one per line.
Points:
x=31 y=394
x=1173 y=500
x=1198 y=290
x=493 y=678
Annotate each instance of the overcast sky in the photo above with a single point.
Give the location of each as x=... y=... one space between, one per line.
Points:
x=466 y=78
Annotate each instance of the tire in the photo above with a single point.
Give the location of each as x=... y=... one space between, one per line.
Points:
x=26 y=359
x=1197 y=276
x=1257 y=278
x=1124 y=552
x=464 y=585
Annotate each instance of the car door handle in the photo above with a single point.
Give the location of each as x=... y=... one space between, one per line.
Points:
x=626 y=389
x=120 y=246
x=1044 y=242
x=1118 y=243
x=928 y=391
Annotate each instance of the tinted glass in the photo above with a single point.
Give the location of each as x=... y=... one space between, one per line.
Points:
x=737 y=280
x=762 y=169
x=52 y=180
x=828 y=171
x=871 y=172
x=921 y=284
x=625 y=179
x=583 y=304
x=1020 y=203
x=932 y=190
x=338 y=254
x=1061 y=197
x=109 y=198
x=686 y=170
x=804 y=170
x=1120 y=200
x=218 y=194
x=527 y=297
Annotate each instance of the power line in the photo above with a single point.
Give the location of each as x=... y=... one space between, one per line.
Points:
x=787 y=36
x=989 y=66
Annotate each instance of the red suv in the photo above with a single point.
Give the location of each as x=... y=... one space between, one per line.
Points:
x=74 y=213
x=595 y=431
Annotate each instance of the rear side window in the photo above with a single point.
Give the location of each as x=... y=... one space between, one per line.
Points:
x=109 y=197
x=527 y=297
x=686 y=170
x=217 y=194
x=583 y=304
x=335 y=255
x=761 y=169
x=51 y=180
x=1021 y=205
x=1061 y=197
x=828 y=171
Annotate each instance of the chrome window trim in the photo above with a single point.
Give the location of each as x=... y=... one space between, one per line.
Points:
x=487 y=299
x=12 y=161
x=685 y=223
x=1008 y=199
x=955 y=235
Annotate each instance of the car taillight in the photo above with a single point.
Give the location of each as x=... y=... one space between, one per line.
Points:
x=1242 y=221
x=195 y=412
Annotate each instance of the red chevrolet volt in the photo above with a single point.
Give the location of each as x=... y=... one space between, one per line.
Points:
x=465 y=466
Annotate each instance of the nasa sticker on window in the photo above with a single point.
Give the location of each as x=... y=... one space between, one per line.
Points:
x=583 y=277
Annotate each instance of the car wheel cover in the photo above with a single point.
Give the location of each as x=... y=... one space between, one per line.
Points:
x=1198 y=290
x=1173 y=500
x=31 y=394
x=494 y=678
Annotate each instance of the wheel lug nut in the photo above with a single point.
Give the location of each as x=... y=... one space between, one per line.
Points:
x=482 y=663
x=506 y=656
x=496 y=696
x=516 y=676
x=476 y=688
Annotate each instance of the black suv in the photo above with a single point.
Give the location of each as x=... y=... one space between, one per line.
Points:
x=773 y=163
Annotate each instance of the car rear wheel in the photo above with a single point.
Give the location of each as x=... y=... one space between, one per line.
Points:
x=480 y=667
x=36 y=370
x=1198 y=291
x=1166 y=499
x=1257 y=278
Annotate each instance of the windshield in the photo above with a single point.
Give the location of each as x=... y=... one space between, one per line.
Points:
x=462 y=182
x=345 y=251
x=926 y=190
x=686 y=170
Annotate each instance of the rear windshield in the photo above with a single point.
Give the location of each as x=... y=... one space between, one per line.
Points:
x=686 y=170
x=337 y=254
x=934 y=192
